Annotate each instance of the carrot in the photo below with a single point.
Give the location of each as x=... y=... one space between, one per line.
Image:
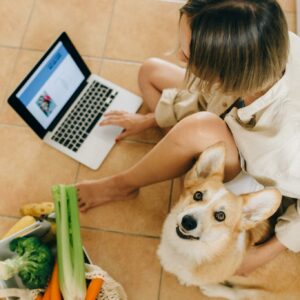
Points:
x=94 y=289
x=54 y=284
x=47 y=293
x=39 y=297
x=53 y=292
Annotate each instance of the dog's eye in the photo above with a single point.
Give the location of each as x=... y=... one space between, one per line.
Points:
x=198 y=196
x=220 y=216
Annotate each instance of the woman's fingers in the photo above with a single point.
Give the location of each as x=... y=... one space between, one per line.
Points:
x=115 y=113
x=122 y=135
x=131 y=123
x=112 y=121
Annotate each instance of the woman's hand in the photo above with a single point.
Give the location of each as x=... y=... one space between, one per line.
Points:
x=131 y=122
x=259 y=255
x=249 y=263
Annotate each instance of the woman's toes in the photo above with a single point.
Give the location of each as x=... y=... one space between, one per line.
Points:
x=83 y=208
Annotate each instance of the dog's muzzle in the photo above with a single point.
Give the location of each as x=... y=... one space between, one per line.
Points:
x=185 y=236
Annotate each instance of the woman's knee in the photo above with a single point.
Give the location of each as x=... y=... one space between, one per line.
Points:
x=148 y=69
x=202 y=124
x=201 y=130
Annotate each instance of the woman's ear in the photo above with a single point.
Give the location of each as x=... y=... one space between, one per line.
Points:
x=210 y=162
x=259 y=206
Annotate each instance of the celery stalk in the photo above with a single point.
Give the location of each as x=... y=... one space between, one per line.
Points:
x=69 y=246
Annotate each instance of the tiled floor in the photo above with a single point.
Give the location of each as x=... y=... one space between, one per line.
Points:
x=114 y=37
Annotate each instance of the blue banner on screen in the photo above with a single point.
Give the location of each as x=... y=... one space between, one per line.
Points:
x=51 y=86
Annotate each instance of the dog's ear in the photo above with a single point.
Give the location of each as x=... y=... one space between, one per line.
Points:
x=259 y=206
x=210 y=162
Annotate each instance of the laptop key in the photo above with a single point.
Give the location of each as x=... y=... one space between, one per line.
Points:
x=66 y=143
x=96 y=119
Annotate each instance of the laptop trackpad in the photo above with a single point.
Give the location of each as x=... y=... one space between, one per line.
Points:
x=107 y=133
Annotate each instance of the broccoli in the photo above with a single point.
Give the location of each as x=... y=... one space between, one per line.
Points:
x=33 y=262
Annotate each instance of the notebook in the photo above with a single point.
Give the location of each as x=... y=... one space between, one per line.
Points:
x=63 y=103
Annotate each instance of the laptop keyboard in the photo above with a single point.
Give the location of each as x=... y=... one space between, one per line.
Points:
x=84 y=116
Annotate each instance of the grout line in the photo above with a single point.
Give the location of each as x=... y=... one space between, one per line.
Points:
x=128 y=61
x=9 y=217
x=98 y=58
x=77 y=172
x=160 y=281
x=30 y=49
x=9 y=46
x=12 y=125
x=27 y=24
x=153 y=237
x=148 y=236
x=169 y=208
x=106 y=34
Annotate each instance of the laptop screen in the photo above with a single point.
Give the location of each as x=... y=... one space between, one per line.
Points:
x=52 y=84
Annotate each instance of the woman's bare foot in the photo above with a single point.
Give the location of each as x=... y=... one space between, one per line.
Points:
x=96 y=192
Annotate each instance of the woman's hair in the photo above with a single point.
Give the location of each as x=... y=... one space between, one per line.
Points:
x=240 y=45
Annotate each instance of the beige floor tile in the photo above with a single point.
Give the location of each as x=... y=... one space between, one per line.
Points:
x=14 y=18
x=126 y=75
x=8 y=57
x=28 y=169
x=132 y=261
x=171 y=289
x=144 y=214
x=85 y=21
x=142 y=29
x=25 y=62
x=288 y=5
x=9 y=116
x=93 y=64
x=122 y=73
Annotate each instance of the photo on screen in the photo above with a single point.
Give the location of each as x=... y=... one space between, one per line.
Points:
x=46 y=104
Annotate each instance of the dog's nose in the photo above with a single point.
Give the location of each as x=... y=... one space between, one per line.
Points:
x=188 y=222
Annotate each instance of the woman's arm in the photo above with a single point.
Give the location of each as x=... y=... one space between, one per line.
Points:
x=259 y=255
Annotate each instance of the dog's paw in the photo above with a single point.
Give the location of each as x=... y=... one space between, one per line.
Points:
x=183 y=282
x=218 y=290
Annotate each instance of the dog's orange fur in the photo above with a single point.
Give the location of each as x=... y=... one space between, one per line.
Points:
x=278 y=279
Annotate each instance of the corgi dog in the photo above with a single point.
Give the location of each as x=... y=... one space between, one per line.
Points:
x=206 y=235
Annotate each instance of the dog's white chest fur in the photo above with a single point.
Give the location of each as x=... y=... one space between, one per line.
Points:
x=172 y=262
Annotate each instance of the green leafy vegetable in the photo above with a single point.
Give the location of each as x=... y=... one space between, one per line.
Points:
x=33 y=262
x=69 y=246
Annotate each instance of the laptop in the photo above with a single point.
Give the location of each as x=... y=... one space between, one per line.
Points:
x=63 y=102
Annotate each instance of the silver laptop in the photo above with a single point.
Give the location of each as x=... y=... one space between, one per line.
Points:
x=63 y=103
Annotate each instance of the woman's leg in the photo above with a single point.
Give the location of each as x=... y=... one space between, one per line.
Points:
x=155 y=75
x=171 y=157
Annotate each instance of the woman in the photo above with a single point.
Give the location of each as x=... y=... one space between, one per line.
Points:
x=242 y=90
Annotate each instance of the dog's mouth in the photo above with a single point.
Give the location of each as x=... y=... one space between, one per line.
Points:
x=185 y=236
